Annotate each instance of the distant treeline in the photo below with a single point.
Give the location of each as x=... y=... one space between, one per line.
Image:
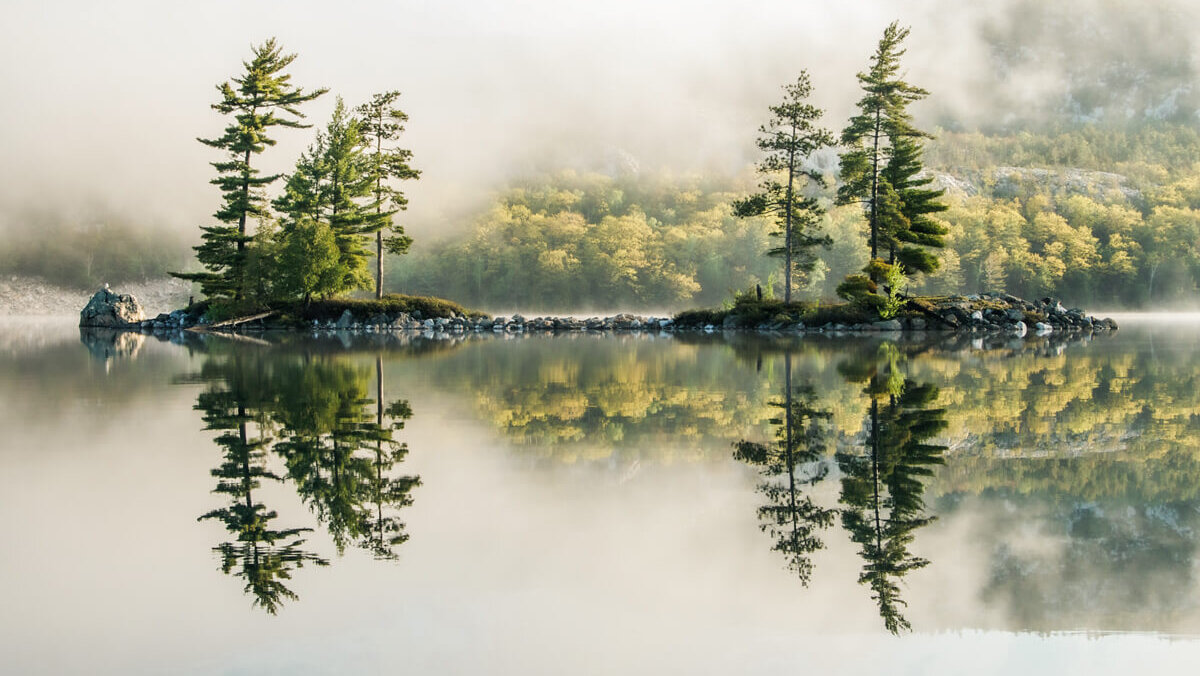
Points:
x=87 y=252
x=578 y=240
x=571 y=240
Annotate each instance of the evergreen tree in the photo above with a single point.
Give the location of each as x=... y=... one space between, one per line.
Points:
x=308 y=262
x=328 y=188
x=350 y=185
x=262 y=98
x=381 y=125
x=788 y=139
x=916 y=231
x=871 y=138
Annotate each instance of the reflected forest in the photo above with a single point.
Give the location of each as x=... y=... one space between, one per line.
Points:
x=307 y=421
x=859 y=446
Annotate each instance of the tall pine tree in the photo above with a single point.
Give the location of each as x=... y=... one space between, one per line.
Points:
x=381 y=125
x=882 y=158
x=261 y=98
x=788 y=139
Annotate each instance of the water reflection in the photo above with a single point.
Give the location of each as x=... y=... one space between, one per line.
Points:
x=883 y=472
x=306 y=420
x=883 y=480
x=1054 y=480
x=790 y=466
x=260 y=554
x=105 y=345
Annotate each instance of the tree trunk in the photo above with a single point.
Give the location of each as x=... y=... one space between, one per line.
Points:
x=787 y=232
x=874 y=215
x=379 y=265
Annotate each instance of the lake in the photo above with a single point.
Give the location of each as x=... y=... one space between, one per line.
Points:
x=599 y=504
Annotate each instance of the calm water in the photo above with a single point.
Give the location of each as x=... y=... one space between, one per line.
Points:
x=582 y=504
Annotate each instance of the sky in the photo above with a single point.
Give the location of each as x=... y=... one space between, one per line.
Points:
x=104 y=101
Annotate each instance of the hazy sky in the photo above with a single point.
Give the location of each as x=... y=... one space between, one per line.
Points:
x=103 y=100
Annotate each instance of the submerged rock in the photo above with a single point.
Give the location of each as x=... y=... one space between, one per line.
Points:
x=113 y=311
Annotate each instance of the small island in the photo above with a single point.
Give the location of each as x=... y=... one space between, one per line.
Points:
x=315 y=243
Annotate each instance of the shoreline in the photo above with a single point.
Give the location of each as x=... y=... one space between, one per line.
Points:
x=988 y=313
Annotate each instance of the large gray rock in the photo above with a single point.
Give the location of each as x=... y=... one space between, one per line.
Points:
x=113 y=311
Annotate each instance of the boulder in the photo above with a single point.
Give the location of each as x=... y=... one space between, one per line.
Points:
x=110 y=310
x=345 y=321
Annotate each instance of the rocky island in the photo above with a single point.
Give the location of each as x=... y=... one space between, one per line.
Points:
x=982 y=313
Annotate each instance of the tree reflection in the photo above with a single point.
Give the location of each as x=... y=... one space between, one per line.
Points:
x=883 y=482
x=261 y=554
x=383 y=530
x=788 y=465
x=314 y=416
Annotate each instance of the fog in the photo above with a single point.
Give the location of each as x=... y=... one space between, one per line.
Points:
x=104 y=100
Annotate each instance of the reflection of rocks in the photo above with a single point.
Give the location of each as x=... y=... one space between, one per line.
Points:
x=109 y=310
x=105 y=344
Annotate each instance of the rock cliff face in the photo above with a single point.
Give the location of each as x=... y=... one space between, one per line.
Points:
x=110 y=310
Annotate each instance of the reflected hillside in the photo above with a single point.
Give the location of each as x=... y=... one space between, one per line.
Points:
x=1085 y=417
x=589 y=397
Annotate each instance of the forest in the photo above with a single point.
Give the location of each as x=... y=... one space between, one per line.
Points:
x=1100 y=215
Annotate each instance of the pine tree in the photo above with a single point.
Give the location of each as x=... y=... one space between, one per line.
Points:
x=349 y=187
x=789 y=138
x=330 y=187
x=262 y=98
x=916 y=231
x=871 y=139
x=381 y=124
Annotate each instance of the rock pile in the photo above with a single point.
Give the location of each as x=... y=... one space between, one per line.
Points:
x=987 y=313
x=1003 y=312
x=515 y=324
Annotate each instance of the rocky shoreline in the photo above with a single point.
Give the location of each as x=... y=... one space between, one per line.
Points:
x=984 y=313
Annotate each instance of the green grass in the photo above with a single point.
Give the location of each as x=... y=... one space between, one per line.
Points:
x=750 y=312
x=296 y=312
